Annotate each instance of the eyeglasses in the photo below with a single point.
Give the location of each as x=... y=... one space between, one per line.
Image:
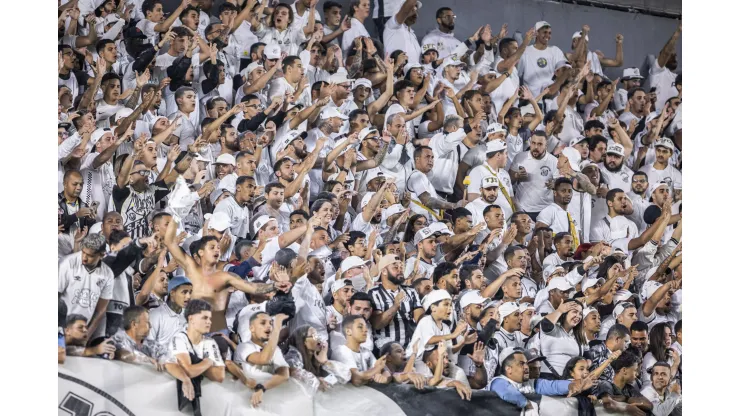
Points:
x=141 y=172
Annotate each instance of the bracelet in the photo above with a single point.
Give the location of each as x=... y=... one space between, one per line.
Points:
x=506 y=74
x=259 y=387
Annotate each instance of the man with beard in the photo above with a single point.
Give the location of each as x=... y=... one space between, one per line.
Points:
x=425 y=242
x=396 y=308
x=228 y=139
x=209 y=282
x=134 y=347
x=494 y=165
x=442 y=39
x=639 y=338
x=615 y=172
x=261 y=354
x=640 y=198
x=168 y=319
x=657 y=307
x=424 y=198
x=370 y=212
x=662 y=72
x=531 y=171
x=615 y=225
x=275 y=206
x=662 y=170
x=556 y=216
x=488 y=195
x=398 y=33
x=616 y=341
x=638 y=104
x=563 y=250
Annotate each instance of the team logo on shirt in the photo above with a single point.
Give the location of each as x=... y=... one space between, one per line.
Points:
x=545 y=171
x=78 y=279
x=542 y=62
x=668 y=181
x=100 y=283
x=625 y=177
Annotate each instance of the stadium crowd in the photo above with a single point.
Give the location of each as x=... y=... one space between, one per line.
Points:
x=261 y=190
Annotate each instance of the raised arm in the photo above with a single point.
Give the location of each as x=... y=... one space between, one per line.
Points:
x=89 y=95
x=165 y=25
x=406 y=8
x=669 y=48
x=509 y=63
x=308 y=29
x=170 y=241
x=264 y=357
x=619 y=60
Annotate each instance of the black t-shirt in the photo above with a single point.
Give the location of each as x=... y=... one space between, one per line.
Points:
x=135 y=207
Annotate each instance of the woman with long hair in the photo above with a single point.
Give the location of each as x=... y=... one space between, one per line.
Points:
x=280 y=29
x=306 y=354
x=659 y=349
x=559 y=342
x=415 y=223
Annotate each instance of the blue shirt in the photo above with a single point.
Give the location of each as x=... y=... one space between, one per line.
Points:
x=508 y=392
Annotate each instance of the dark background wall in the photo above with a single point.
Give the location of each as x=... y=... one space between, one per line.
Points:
x=643 y=34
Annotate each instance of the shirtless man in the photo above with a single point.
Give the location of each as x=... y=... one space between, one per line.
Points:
x=210 y=282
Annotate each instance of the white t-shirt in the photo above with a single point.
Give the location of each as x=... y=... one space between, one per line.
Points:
x=242 y=319
x=362 y=361
x=669 y=175
x=444 y=43
x=81 y=289
x=476 y=208
x=357 y=30
x=310 y=307
x=532 y=195
x=448 y=151
x=417 y=184
x=664 y=81
x=259 y=372
x=610 y=229
x=399 y=36
x=536 y=67
x=97 y=183
x=425 y=330
x=476 y=178
x=165 y=324
x=238 y=215
x=206 y=348
x=557 y=219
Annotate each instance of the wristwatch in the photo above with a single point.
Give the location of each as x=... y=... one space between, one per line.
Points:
x=506 y=74
x=259 y=387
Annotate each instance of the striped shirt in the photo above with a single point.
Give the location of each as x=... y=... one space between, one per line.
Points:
x=402 y=326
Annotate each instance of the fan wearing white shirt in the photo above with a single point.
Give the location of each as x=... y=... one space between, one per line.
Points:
x=614 y=170
x=537 y=65
x=358 y=12
x=494 y=165
x=581 y=54
x=662 y=72
x=398 y=34
x=614 y=225
x=631 y=78
x=424 y=197
x=261 y=358
x=638 y=103
x=556 y=215
x=281 y=29
x=563 y=250
x=489 y=191
x=154 y=22
x=662 y=170
x=443 y=39
x=531 y=171
x=193 y=342
x=363 y=365
x=449 y=147
x=235 y=206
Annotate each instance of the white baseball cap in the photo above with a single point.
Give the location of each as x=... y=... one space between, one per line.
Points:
x=574 y=141
x=509 y=351
x=422 y=235
x=393 y=210
x=339 y=284
x=621 y=307
x=351 y=262
x=261 y=222
x=539 y=25
x=366 y=131
x=549 y=270
x=338 y=78
x=218 y=221
x=433 y=297
x=615 y=149
x=489 y=181
x=665 y=142
x=622 y=295
x=524 y=306
x=286 y=140
x=507 y=308
x=591 y=283
x=272 y=51
x=574 y=157
x=225 y=159
x=98 y=134
x=648 y=289
x=366 y=199
x=471 y=297
x=562 y=64
x=578 y=35
x=330 y=112
x=495 y=146
x=631 y=73
x=440 y=227
x=559 y=283
x=450 y=60
x=228 y=183
x=411 y=65
x=494 y=128
x=362 y=82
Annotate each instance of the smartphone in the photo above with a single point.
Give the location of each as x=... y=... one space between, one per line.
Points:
x=331 y=379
